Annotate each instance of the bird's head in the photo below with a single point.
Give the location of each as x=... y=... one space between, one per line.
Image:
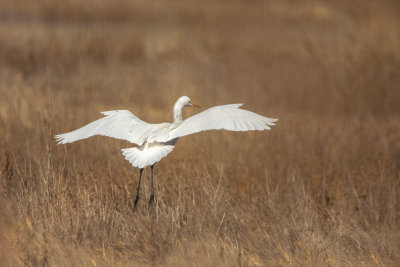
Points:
x=187 y=102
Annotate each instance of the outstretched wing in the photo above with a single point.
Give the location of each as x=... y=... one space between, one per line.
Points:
x=120 y=124
x=227 y=117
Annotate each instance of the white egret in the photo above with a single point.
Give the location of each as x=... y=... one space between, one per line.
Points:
x=156 y=141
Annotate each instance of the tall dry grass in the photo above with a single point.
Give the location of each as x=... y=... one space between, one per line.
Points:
x=321 y=188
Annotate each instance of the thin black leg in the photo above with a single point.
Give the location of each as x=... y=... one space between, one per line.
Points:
x=138 y=190
x=152 y=186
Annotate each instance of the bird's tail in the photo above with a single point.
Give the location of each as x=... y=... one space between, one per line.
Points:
x=147 y=154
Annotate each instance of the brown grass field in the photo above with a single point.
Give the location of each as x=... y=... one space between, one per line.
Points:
x=322 y=188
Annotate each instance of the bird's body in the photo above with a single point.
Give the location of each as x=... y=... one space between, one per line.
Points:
x=156 y=141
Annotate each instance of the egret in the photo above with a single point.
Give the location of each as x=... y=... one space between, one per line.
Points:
x=155 y=141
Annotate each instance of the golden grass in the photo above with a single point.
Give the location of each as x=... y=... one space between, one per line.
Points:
x=321 y=188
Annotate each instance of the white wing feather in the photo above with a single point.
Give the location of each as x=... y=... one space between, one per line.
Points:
x=227 y=117
x=120 y=124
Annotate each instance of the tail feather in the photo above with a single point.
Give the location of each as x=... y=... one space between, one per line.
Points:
x=147 y=154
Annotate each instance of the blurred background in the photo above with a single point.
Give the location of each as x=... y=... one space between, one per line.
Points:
x=324 y=183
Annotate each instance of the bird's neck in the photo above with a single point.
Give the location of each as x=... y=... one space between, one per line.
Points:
x=178 y=107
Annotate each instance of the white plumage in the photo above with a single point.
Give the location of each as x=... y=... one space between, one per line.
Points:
x=148 y=154
x=156 y=141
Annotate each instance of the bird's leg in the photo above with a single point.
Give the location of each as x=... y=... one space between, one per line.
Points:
x=152 y=186
x=138 y=190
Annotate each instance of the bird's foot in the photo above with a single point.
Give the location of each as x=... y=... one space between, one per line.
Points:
x=151 y=200
x=135 y=203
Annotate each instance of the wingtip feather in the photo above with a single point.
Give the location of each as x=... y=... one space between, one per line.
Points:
x=59 y=138
x=62 y=139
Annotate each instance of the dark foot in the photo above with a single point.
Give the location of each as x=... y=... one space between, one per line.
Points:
x=151 y=200
x=136 y=201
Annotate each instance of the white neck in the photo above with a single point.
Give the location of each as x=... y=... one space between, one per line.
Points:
x=178 y=107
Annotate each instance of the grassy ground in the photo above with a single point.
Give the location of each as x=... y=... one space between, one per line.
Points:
x=322 y=188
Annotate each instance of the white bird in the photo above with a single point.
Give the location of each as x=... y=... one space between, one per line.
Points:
x=156 y=141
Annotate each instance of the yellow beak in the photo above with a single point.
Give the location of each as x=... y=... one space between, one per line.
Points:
x=195 y=105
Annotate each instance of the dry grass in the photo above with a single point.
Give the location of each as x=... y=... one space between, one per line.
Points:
x=322 y=188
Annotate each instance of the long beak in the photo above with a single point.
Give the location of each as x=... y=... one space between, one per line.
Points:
x=195 y=105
